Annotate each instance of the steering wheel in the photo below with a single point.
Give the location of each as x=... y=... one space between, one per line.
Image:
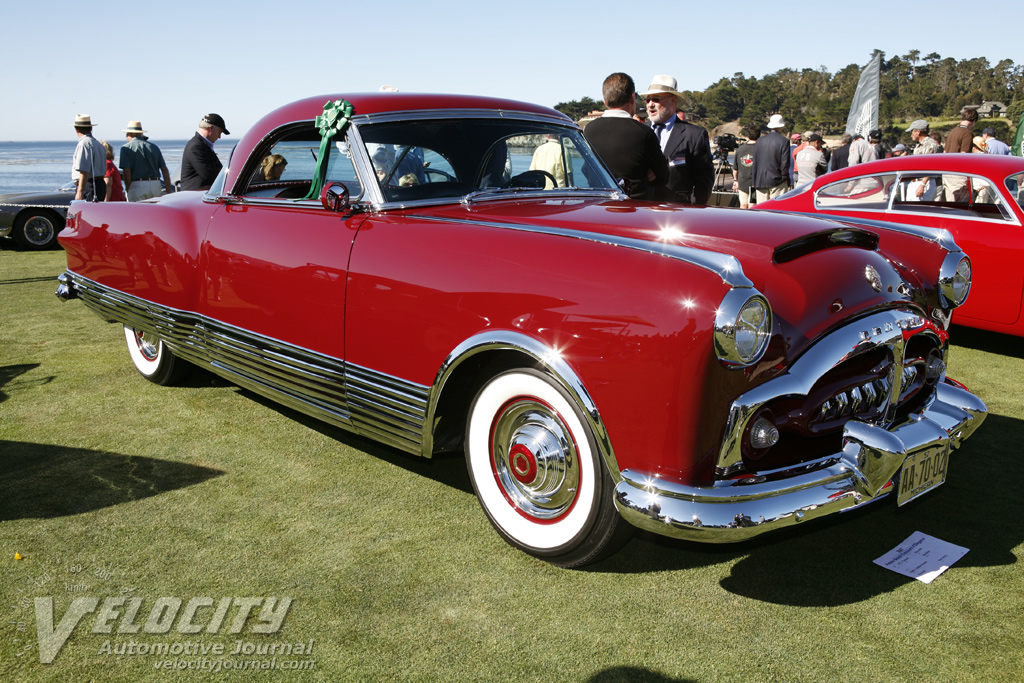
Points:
x=534 y=178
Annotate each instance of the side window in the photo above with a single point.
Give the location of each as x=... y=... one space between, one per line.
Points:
x=408 y=165
x=286 y=168
x=870 y=193
x=1015 y=186
x=952 y=195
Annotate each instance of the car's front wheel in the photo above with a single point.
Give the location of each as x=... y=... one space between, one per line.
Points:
x=153 y=359
x=37 y=229
x=538 y=474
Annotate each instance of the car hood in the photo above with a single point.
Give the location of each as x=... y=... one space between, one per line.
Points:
x=38 y=196
x=810 y=289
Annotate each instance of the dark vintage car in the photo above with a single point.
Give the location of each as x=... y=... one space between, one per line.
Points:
x=976 y=197
x=702 y=373
x=33 y=219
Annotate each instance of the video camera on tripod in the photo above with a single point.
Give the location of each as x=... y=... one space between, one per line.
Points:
x=725 y=143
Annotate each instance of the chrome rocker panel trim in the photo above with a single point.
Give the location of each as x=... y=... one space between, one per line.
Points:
x=860 y=473
x=371 y=403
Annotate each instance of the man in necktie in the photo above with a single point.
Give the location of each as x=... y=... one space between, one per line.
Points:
x=691 y=170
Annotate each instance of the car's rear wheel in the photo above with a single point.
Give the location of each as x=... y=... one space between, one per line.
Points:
x=37 y=229
x=537 y=472
x=153 y=359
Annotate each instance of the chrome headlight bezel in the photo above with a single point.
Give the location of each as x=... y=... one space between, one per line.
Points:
x=743 y=328
x=955 y=277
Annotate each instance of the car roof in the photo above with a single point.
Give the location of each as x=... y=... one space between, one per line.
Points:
x=993 y=165
x=364 y=104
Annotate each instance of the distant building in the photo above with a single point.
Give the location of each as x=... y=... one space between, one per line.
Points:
x=989 y=109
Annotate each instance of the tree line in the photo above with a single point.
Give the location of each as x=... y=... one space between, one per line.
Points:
x=912 y=86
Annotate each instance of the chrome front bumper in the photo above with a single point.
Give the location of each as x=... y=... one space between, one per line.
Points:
x=860 y=473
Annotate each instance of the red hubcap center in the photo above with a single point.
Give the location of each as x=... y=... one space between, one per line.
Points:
x=524 y=464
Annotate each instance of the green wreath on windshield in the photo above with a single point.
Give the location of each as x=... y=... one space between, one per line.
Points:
x=333 y=121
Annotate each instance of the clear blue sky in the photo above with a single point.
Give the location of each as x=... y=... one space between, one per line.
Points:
x=169 y=63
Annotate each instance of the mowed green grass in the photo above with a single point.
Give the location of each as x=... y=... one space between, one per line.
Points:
x=110 y=485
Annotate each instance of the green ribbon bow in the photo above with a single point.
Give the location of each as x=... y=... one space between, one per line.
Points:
x=332 y=122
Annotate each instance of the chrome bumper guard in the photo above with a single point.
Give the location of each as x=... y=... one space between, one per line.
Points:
x=860 y=473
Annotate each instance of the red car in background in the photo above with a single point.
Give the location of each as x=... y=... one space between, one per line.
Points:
x=977 y=198
x=450 y=273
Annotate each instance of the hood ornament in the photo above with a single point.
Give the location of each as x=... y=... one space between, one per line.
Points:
x=873 y=278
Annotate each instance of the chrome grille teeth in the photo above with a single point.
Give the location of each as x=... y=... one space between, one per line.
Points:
x=857 y=400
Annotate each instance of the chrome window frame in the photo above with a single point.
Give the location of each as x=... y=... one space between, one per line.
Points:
x=999 y=189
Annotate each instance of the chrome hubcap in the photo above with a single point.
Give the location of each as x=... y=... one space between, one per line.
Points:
x=149 y=344
x=534 y=459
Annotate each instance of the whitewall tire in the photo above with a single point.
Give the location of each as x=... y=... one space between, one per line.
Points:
x=537 y=472
x=152 y=358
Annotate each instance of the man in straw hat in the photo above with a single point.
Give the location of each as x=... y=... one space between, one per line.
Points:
x=141 y=163
x=89 y=163
x=772 y=161
x=691 y=170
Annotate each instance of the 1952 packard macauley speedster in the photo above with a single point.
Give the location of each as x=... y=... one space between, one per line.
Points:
x=703 y=373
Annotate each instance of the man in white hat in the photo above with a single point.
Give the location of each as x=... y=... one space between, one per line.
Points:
x=141 y=162
x=691 y=170
x=89 y=164
x=771 y=161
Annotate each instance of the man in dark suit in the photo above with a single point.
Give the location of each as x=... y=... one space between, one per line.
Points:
x=691 y=173
x=199 y=163
x=626 y=146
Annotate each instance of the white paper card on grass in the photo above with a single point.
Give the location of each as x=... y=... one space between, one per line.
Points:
x=922 y=557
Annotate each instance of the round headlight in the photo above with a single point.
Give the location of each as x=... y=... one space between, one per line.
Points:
x=955 y=277
x=743 y=326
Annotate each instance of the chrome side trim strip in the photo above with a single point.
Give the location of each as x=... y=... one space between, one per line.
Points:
x=386 y=408
x=723 y=265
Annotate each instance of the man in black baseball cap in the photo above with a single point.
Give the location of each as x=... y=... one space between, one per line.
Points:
x=199 y=163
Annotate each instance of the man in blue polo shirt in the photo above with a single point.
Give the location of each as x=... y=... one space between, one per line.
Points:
x=993 y=146
x=141 y=164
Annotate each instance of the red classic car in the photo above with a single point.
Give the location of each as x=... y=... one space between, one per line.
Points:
x=976 y=197
x=457 y=273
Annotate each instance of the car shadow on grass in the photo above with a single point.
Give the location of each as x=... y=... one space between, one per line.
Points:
x=39 y=480
x=10 y=373
x=990 y=342
x=829 y=561
x=445 y=468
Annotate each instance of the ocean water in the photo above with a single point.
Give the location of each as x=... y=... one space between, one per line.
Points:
x=32 y=166
x=37 y=166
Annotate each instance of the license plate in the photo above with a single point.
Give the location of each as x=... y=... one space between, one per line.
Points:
x=921 y=473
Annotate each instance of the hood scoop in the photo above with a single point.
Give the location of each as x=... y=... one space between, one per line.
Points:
x=820 y=241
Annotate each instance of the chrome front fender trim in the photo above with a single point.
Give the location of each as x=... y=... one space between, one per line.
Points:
x=724 y=266
x=861 y=472
x=544 y=356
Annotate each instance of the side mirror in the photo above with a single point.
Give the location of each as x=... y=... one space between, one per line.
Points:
x=334 y=197
x=626 y=185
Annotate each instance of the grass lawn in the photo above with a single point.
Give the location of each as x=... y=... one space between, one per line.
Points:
x=111 y=486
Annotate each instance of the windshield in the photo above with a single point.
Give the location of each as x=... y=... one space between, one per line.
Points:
x=451 y=158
